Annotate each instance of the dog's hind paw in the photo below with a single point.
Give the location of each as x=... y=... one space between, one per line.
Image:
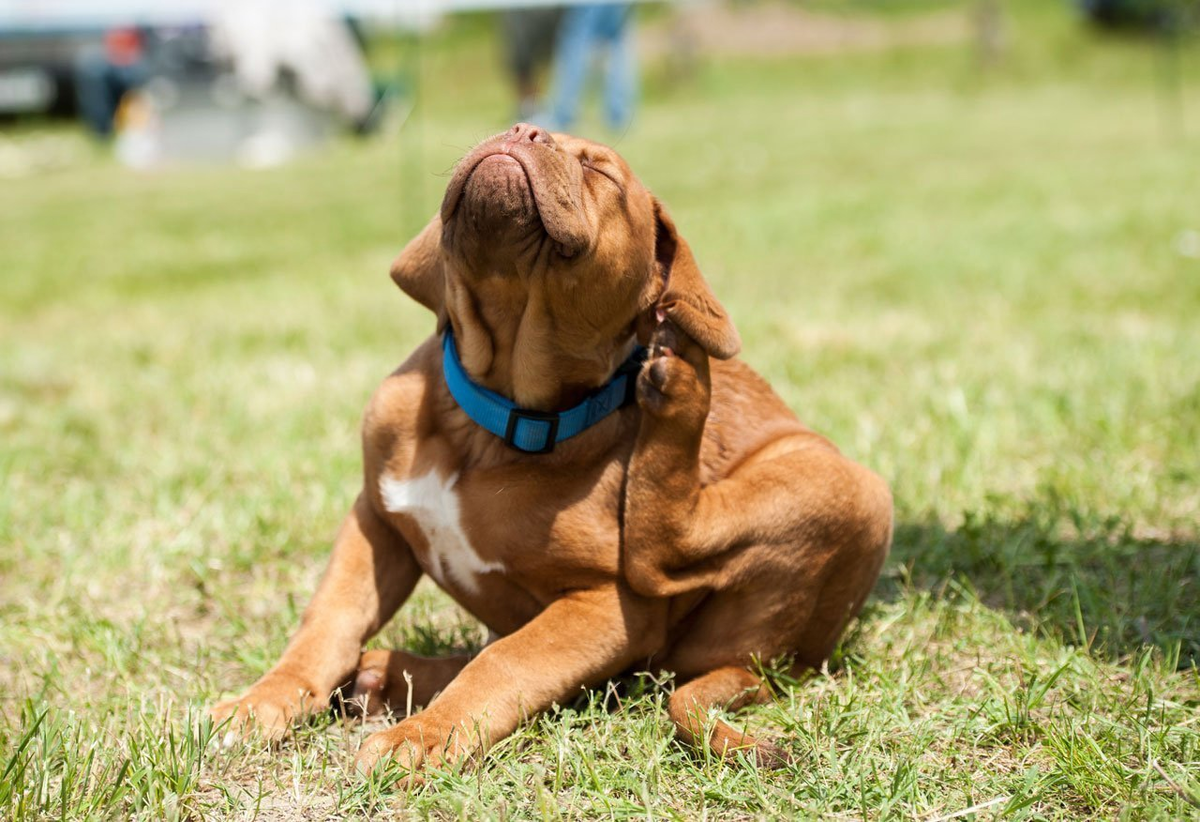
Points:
x=369 y=696
x=674 y=382
x=771 y=756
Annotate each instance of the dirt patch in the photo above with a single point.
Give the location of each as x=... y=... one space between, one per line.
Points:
x=778 y=29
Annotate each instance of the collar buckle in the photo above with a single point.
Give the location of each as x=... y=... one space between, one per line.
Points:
x=549 y=419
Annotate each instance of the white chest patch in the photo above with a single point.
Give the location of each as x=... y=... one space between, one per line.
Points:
x=433 y=503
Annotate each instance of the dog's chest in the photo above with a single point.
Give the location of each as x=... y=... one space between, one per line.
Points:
x=434 y=505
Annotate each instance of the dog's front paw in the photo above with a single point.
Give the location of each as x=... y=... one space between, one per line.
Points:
x=416 y=743
x=674 y=383
x=270 y=707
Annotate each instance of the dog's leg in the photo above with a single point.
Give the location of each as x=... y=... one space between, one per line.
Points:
x=577 y=640
x=397 y=680
x=372 y=571
x=729 y=688
x=798 y=493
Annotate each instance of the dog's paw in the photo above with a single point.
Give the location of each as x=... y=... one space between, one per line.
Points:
x=398 y=681
x=770 y=756
x=269 y=708
x=372 y=694
x=416 y=743
x=674 y=382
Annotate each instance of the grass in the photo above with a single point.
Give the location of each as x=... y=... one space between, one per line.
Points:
x=976 y=283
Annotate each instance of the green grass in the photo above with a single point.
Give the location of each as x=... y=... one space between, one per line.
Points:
x=973 y=282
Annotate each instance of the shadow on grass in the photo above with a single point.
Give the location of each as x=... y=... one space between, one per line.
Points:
x=1088 y=580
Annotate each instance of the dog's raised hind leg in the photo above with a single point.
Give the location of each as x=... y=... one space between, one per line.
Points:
x=796 y=493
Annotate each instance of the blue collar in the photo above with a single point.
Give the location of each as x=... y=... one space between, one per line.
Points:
x=536 y=432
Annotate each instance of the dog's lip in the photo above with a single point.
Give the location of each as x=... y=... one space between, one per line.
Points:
x=462 y=175
x=498 y=155
x=523 y=155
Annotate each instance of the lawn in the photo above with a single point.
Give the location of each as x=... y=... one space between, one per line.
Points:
x=983 y=284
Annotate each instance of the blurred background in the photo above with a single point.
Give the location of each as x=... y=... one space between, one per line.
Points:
x=255 y=82
x=960 y=237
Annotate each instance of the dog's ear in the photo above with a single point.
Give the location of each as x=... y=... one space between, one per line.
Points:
x=686 y=299
x=419 y=270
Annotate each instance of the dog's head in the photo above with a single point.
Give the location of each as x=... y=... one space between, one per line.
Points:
x=550 y=259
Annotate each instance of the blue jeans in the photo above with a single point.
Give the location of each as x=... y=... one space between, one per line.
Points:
x=585 y=31
x=99 y=86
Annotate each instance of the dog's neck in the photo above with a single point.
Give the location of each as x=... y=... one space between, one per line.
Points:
x=527 y=365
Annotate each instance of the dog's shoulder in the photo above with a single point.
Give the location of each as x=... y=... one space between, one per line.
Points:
x=400 y=408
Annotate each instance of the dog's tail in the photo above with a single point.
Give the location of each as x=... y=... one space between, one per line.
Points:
x=730 y=688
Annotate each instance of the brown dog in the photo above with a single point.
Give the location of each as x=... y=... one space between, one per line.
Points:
x=694 y=530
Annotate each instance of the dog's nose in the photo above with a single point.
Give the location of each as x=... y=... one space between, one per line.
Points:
x=526 y=133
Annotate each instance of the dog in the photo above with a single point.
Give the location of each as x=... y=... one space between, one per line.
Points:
x=577 y=457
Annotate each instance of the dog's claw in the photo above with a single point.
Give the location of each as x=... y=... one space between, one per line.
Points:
x=412 y=745
x=367 y=697
x=772 y=757
x=674 y=382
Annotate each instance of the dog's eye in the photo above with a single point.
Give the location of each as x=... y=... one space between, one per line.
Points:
x=588 y=165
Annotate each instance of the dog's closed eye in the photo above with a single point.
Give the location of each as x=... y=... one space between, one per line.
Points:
x=595 y=165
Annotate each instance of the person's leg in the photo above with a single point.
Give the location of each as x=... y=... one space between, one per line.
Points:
x=620 y=87
x=97 y=102
x=515 y=29
x=124 y=79
x=576 y=41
